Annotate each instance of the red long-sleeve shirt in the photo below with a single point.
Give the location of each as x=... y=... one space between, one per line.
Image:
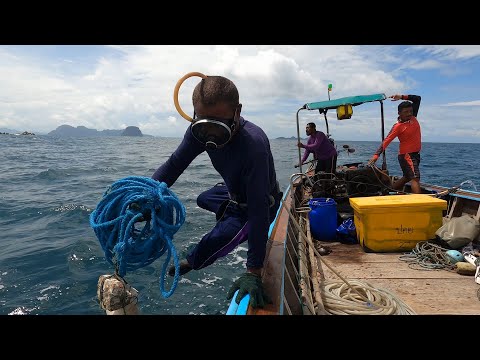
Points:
x=408 y=132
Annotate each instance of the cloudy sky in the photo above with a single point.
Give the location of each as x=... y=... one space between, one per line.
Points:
x=111 y=87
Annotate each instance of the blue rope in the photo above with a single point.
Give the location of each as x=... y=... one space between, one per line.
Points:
x=144 y=200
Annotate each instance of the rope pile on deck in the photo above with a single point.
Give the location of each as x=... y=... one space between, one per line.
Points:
x=428 y=256
x=342 y=297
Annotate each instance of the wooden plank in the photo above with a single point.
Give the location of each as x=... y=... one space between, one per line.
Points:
x=425 y=291
x=272 y=280
x=279 y=230
x=272 y=271
x=375 y=270
x=355 y=253
x=454 y=205
x=435 y=296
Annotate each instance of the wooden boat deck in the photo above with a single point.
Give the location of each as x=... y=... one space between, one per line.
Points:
x=432 y=292
x=426 y=292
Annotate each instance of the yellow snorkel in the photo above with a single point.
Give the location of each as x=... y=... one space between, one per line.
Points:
x=175 y=93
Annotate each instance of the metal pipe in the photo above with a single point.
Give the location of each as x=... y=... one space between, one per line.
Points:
x=299 y=174
x=326 y=122
x=384 y=162
x=298 y=140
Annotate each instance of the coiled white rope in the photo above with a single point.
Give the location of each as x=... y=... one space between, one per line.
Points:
x=354 y=297
x=340 y=298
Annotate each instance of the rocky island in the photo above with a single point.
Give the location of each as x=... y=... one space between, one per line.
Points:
x=82 y=131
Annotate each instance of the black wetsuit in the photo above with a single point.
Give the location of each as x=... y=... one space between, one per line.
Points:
x=247 y=168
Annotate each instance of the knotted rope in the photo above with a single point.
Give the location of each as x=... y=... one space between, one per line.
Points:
x=428 y=256
x=133 y=200
x=343 y=297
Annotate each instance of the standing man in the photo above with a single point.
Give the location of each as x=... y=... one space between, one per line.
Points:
x=407 y=129
x=247 y=201
x=321 y=147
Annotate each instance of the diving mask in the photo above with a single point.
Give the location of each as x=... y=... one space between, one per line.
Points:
x=213 y=132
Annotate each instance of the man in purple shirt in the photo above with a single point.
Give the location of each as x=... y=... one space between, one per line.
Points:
x=247 y=200
x=321 y=147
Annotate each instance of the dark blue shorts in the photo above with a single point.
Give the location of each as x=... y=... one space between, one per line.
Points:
x=327 y=165
x=230 y=230
x=409 y=163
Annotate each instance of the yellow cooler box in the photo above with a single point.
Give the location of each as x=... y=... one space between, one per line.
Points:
x=396 y=223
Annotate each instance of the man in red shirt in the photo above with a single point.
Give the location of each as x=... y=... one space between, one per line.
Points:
x=407 y=129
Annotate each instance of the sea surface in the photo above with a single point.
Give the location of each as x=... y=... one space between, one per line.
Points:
x=51 y=260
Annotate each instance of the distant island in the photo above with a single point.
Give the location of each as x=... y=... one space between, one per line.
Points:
x=289 y=138
x=82 y=131
x=16 y=133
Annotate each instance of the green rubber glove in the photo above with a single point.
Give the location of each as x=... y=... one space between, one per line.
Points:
x=251 y=284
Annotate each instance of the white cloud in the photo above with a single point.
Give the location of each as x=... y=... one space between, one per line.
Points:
x=452 y=52
x=133 y=85
x=465 y=103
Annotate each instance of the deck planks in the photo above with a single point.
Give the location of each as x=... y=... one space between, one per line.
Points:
x=427 y=292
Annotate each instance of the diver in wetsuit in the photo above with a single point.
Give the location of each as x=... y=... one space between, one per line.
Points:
x=247 y=201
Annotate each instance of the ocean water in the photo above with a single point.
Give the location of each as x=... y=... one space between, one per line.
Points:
x=50 y=258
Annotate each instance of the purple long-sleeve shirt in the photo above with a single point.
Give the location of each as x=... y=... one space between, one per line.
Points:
x=320 y=146
x=247 y=168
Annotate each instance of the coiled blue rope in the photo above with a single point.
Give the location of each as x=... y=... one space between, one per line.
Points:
x=138 y=199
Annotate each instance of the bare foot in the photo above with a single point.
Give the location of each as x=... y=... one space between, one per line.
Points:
x=184 y=268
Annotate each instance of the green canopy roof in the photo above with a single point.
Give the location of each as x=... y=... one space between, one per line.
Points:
x=353 y=100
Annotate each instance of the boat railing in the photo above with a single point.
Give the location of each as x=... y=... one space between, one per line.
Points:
x=295 y=176
x=302 y=271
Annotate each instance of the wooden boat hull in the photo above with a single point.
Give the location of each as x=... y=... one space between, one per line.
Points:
x=295 y=272
x=426 y=292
